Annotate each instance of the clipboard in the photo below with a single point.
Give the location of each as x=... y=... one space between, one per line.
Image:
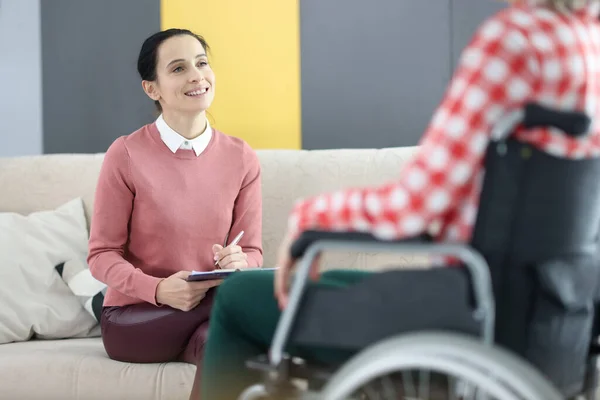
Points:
x=199 y=276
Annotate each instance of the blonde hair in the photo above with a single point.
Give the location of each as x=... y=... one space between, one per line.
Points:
x=567 y=5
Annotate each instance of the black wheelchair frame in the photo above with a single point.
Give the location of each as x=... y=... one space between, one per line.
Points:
x=521 y=289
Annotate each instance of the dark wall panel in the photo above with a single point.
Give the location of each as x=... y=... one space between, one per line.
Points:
x=372 y=71
x=467 y=15
x=91 y=91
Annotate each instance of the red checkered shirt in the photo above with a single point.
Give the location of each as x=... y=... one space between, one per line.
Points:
x=523 y=53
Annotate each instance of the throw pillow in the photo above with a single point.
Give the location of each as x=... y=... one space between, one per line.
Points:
x=90 y=291
x=35 y=300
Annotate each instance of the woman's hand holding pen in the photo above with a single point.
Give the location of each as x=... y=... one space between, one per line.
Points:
x=230 y=257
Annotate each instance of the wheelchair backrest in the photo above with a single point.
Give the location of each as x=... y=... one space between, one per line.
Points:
x=537 y=227
x=535 y=206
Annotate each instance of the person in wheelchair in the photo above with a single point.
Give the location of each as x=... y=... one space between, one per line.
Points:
x=545 y=52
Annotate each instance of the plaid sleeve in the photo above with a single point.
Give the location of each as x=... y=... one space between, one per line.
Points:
x=494 y=75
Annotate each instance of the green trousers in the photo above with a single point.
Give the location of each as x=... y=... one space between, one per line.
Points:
x=242 y=324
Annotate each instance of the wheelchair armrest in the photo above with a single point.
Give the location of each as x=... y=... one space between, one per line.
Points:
x=310 y=244
x=310 y=237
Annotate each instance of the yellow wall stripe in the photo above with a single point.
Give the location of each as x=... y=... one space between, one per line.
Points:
x=256 y=58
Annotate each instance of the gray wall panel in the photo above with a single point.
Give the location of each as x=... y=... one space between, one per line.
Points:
x=92 y=93
x=20 y=78
x=372 y=71
x=467 y=15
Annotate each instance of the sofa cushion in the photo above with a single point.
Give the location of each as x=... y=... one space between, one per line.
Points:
x=80 y=369
x=35 y=300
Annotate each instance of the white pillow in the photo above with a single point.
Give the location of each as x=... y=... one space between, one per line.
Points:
x=89 y=291
x=34 y=298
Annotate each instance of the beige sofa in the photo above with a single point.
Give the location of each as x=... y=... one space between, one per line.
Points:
x=78 y=368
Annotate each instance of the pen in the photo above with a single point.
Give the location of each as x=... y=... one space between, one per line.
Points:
x=233 y=243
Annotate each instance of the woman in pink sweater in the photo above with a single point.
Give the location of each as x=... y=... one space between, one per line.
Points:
x=169 y=197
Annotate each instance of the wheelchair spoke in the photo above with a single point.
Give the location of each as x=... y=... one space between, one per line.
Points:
x=402 y=385
x=389 y=388
x=452 y=388
x=371 y=393
x=465 y=390
x=423 y=384
x=408 y=385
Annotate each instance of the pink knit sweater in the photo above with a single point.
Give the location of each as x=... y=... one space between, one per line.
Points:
x=158 y=212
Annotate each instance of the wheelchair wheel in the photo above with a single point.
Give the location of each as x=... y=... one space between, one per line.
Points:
x=437 y=366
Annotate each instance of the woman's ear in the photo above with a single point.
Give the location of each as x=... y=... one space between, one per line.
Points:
x=151 y=90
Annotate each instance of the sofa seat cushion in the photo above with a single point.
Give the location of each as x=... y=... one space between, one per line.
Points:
x=80 y=369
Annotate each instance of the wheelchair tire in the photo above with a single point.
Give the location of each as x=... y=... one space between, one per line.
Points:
x=500 y=373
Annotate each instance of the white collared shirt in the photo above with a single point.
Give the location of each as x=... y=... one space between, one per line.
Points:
x=175 y=141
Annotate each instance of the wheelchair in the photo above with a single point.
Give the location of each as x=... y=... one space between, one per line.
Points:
x=515 y=320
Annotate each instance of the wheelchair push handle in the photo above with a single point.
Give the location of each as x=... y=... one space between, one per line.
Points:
x=572 y=123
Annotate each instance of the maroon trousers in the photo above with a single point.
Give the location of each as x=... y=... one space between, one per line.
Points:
x=144 y=333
